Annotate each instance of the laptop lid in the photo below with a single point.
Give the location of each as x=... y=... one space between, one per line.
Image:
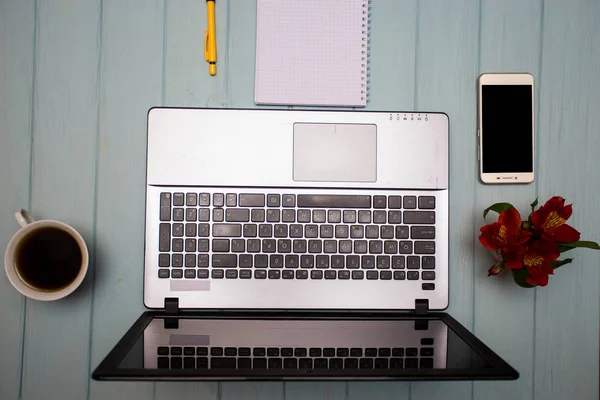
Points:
x=308 y=156
x=287 y=346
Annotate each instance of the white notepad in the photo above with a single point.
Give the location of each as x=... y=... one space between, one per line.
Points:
x=312 y=52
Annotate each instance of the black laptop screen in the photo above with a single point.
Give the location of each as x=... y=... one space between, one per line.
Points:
x=278 y=348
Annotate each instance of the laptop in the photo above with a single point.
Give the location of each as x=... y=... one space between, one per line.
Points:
x=297 y=245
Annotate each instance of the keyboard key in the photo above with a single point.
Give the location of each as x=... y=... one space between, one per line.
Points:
x=217 y=274
x=237 y=215
x=231 y=199
x=427 y=202
x=218 y=199
x=178 y=229
x=426 y=351
x=372 y=275
x=223 y=362
x=305 y=363
x=428 y=275
x=428 y=262
x=272 y=352
x=292 y=261
x=165 y=206
x=328 y=352
x=315 y=352
x=424 y=247
x=284 y=246
x=358 y=275
x=379 y=202
x=230 y=351
x=349 y=216
x=364 y=216
x=176 y=362
x=290 y=363
x=276 y=261
x=353 y=262
x=367 y=262
x=396 y=363
x=398 y=352
x=273 y=215
x=379 y=217
x=399 y=275
x=190 y=230
x=252 y=200
x=250 y=230
x=265 y=230
x=316 y=274
x=253 y=245
x=245 y=274
x=375 y=246
x=176 y=351
x=220 y=245
x=385 y=275
x=402 y=232
x=422 y=232
x=336 y=363
x=303 y=216
x=191 y=214
x=330 y=274
x=370 y=352
x=413 y=262
x=410 y=202
x=244 y=363
x=345 y=246
x=322 y=262
x=274 y=274
x=334 y=216
x=218 y=215
x=307 y=261
x=273 y=200
x=269 y=245
x=372 y=232
x=344 y=274
x=334 y=201
x=326 y=231
x=289 y=200
x=413 y=275
x=357 y=231
x=177 y=273
x=412 y=352
x=321 y=363
x=177 y=260
x=178 y=199
x=296 y=231
x=387 y=232
x=395 y=202
x=302 y=274
x=203 y=260
x=311 y=231
x=257 y=215
x=337 y=262
x=366 y=363
x=426 y=363
x=300 y=352
x=164 y=237
x=203 y=230
x=164 y=260
x=390 y=247
x=224 y=260
x=381 y=363
x=351 y=363
x=406 y=247
x=260 y=274
x=164 y=273
x=204 y=199
x=419 y=217
x=261 y=261
x=177 y=245
x=259 y=363
x=360 y=246
x=190 y=245
x=398 y=262
x=330 y=246
x=319 y=216
x=394 y=217
x=342 y=231
x=191 y=199
x=288 y=215
x=244 y=352
x=383 y=262
x=280 y=230
x=178 y=214
x=190 y=261
x=299 y=246
x=231 y=274
x=356 y=352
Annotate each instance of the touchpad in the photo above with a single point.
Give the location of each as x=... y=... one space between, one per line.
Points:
x=335 y=152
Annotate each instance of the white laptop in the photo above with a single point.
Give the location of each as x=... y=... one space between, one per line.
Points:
x=273 y=209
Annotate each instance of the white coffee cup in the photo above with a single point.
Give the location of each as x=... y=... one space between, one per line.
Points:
x=28 y=227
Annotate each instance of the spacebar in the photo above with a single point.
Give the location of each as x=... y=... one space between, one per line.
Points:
x=334 y=201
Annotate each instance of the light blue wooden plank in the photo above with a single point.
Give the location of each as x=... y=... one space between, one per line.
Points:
x=316 y=390
x=187 y=82
x=567 y=310
x=241 y=53
x=252 y=390
x=17 y=27
x=510 y=42
x=447 y=55
x=131 y=83
x=64 y=140
x=392 y=86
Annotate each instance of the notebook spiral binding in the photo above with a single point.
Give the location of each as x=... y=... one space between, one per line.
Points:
x=366 y=54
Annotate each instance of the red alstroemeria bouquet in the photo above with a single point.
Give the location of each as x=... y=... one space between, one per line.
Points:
x=530 y=249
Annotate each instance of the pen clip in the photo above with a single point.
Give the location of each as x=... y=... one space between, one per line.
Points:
x=206 y=46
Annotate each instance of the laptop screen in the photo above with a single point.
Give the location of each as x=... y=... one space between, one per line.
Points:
x=302 y=348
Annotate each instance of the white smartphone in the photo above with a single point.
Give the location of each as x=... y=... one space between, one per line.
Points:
x=505 y=129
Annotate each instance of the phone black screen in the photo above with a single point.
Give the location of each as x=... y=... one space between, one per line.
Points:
x=507 y=128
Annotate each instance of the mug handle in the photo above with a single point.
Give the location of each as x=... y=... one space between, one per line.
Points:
x=24 y=218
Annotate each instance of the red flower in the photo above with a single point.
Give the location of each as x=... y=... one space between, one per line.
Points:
x=550 y=220
x=506 y=234
x=536 y=260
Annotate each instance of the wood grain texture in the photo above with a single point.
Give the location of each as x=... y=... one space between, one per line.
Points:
x=17 y=26
x=130 y=83
x=316 y=390
x=509 y=42
x=64 y=147
x=567 y=311
x=446 y=66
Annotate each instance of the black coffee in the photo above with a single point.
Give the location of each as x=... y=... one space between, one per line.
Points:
x=48 y=259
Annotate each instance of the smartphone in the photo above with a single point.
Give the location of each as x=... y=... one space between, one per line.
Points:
x=505 y=130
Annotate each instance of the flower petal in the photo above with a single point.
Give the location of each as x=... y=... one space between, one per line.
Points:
x=514 y=261
x=540 y=280
x=565 y=234
x=511 y=219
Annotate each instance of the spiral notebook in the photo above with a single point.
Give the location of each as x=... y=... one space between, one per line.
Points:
x=312 y=52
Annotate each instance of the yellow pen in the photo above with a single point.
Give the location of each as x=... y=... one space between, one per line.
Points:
x=210 y=41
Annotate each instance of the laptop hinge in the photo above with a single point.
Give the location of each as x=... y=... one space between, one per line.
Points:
x=171 y=305
x=421 y=306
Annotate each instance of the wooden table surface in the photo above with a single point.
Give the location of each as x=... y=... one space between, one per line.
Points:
x=76 y=81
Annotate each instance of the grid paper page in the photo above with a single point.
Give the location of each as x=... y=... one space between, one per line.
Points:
x=310 y=52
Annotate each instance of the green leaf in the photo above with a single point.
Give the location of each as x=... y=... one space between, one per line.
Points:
x=534 y=205
x=559 y=263
x=563 y=248
x=498 y=207
x=582 y=243
x=520 y=278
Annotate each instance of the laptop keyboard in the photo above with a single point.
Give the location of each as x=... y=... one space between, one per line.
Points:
x=289 y=358
x=296 y=236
